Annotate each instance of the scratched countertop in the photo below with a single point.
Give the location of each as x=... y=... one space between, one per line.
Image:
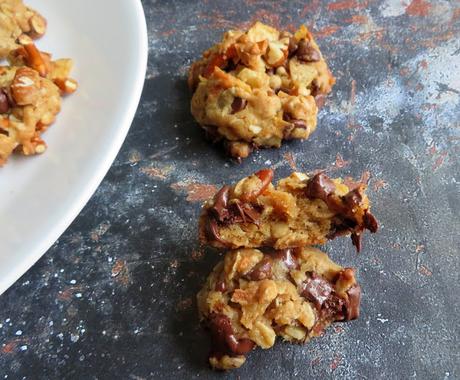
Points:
x=115 y=296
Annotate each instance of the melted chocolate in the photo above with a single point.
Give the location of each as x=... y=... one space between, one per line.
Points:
x=224 y=341
x=261 y=271
x=287 y=256
x=316 y=289
x=370 y=222
x=320 y=186
x=356 y=239
x=353 y=303
x=219 y=210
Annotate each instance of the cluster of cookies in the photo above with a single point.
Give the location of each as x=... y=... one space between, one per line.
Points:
x=272 y=282
x=255 y=89
x=31 y=85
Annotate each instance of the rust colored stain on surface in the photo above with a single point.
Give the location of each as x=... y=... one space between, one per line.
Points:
x=196 y=192
x=11 y=346
x=357 y=19
x=153 y=172
x=327 y=31
x=336 y=361
x=347 y=4
x=439 y=161
x=379 y=184
x=120 y=272
x=289 y=157
x=418 y=8
x=423 y=270
x=340 y=162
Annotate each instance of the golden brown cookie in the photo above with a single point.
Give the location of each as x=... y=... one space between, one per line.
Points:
x=259 y=87
x=17 y=19
x=252 y=297
x=297 y=212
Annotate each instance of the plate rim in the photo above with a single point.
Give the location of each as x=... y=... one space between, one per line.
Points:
x=102 y=167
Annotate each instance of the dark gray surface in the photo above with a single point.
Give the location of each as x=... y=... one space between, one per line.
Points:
x=114 y=297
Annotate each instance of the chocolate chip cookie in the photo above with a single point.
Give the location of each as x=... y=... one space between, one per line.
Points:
x=297 y=212
x=17 y=19
x=252 y=297
x=259 y=87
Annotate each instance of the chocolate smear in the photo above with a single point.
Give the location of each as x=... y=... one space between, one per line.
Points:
x=223 y=338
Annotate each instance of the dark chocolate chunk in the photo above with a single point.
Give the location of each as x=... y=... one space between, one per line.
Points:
x=333 y=308
x=293 y=46
x=4 y=102
x=219 y=209
x=320 y=186
x=356 y=239
x=238 y=104
x=284 y=89
x=353 y=198
x=352 y=305
x=213 y=234
x=223 y=337
x=287 y=256
x=370 y=222
x=299 y=124
x=306 y=52
x=252 y=213
x=316 y=289
x=244 y=213
x=221 y=286
x=295 y=123
x=261 y=271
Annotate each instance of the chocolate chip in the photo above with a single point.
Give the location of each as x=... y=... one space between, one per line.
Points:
x=270 y=71
x=219 y=209
x=287 y=131
x=212 y=232
x=320 y=186
x=333 y=308
x=306 y=52
x=244 y=213
x=4 y=102
x=238 y=104
x=287 y=256
x=300 y=124
x=223 y=337
x=230 y=66
x=315 y=91
x=294 y=123
x=353 y=198
x=356 y=239
x=261 y=271
x=221 y=286
x=370 y=222
x=292 y=47
x=352 y=305
x=316 y=289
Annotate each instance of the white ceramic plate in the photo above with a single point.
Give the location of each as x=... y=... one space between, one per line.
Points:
x=40 y=196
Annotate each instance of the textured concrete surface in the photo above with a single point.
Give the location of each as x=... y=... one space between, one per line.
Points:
x=114 y=297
